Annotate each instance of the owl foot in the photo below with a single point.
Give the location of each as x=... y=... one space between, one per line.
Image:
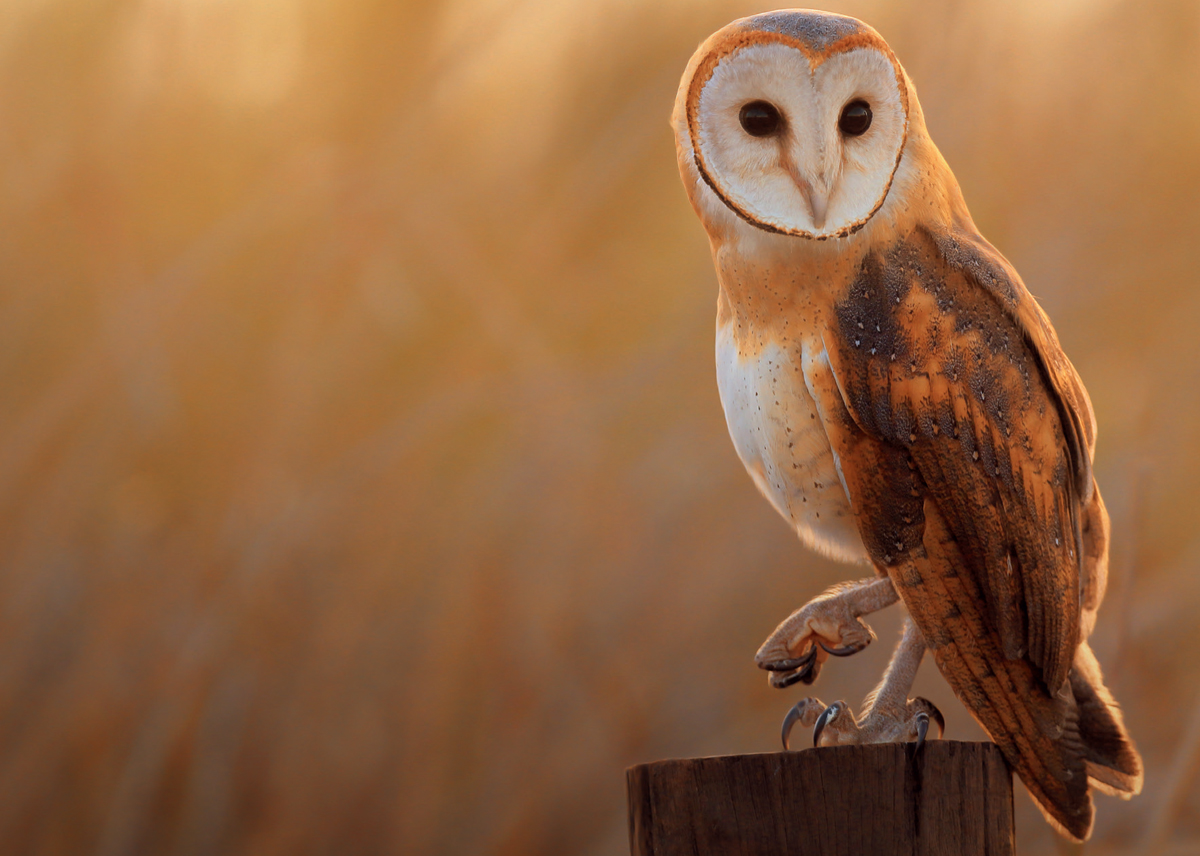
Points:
x=891 y=717
x=829 y=625
x=836 y=725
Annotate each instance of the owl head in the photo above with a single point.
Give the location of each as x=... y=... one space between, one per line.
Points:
x=796 y=121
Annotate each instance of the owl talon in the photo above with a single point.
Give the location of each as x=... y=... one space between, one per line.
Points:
x=800 y=662
x=930 y=712
x=804 y=712
x=788 y=722
x=827 y=716
x=784 y=673
x=806 y=675
x=844 y=651
x=922 y=720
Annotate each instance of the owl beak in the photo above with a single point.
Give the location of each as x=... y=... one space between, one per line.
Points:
x=818 y=202
x=816 y=195
x=816 y=199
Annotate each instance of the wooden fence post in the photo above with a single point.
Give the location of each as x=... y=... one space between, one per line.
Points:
x=948 y=799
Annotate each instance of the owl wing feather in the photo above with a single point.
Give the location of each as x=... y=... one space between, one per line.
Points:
x=964 y=440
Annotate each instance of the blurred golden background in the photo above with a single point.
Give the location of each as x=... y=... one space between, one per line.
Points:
x=365 y=486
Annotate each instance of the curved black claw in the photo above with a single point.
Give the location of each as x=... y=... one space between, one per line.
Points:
x=824 y=719
x=801 y=669
x=933 y=713
x=795 y=663
x=937 y=715
x=794 y=715
x=806 y=675
x=922 y=728
x=845 y=651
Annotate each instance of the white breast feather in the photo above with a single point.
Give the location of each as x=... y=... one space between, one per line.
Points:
x=778 y=434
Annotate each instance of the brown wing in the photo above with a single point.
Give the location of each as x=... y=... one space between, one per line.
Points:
x=965 y=444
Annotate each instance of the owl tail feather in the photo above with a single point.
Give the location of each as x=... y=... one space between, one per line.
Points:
x=1113 y=763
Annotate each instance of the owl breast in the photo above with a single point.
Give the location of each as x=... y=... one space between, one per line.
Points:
x=778 y=434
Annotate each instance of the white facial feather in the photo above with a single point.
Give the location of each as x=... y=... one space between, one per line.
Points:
x=761 y=177
x=867 y=162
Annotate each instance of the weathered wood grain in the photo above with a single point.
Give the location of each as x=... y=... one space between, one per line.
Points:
x=949 y=799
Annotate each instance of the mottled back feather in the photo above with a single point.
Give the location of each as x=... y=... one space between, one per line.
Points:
x=962 y=455
x=938 y=369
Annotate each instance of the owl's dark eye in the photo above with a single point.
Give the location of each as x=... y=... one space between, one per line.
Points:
x=855 y=118
x=760 y=119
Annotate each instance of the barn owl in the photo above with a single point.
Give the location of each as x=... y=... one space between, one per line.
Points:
x=900 y=398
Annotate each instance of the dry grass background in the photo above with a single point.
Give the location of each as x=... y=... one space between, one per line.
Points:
x=364 y=485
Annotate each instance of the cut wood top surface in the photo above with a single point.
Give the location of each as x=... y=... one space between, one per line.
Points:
x=950 y=798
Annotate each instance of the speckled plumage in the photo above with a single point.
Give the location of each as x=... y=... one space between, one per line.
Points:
x=901 y=399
